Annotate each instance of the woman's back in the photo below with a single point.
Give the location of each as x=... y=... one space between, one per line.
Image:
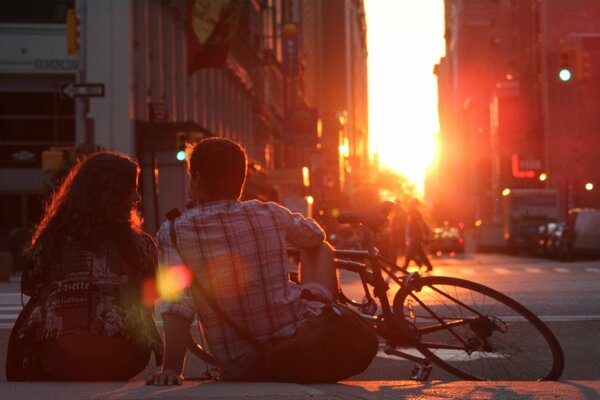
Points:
x=89 y=262
x=89 y=319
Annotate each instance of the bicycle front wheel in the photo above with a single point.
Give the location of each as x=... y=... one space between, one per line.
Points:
x=477 y=333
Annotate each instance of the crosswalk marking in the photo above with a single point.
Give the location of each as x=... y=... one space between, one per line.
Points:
x=533 y=270
x=562 y=270
x=502 y=271
x=593 y=270
x=10 y=306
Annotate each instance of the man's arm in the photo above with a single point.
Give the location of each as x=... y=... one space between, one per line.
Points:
x=177 y=317
x=177 y=330
x=301 y=232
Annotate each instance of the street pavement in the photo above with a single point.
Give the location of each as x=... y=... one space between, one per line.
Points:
x=380 y=390
x=564 y=294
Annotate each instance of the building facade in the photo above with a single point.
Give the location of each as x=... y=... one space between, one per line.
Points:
x=138 y=53
x=507 y=120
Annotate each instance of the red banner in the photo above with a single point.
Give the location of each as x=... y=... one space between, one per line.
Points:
x=212 y=25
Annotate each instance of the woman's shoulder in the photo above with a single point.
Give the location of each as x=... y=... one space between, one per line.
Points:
x=144 y=242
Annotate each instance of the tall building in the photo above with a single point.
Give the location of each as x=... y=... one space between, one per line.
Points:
x=136 y=56
x=141 y=77
x=507 y=119
x=490 y=61
x=335 y=51
x=571 y=121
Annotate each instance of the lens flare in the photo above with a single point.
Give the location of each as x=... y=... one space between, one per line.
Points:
x=172 y=280
x=149 y=293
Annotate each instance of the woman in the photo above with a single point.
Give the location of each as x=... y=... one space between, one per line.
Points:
x=91 y=319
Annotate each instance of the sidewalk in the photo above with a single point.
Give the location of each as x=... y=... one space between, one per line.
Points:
x=202 y=390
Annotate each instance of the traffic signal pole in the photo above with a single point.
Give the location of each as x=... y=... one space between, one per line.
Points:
x=82 y=103
x=545 y=102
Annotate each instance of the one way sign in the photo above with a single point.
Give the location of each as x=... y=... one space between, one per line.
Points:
x=71 y=90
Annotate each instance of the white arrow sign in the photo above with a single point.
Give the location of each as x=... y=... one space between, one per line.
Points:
x=72 y=90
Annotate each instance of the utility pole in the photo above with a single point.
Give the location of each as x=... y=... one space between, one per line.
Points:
x=81 y=103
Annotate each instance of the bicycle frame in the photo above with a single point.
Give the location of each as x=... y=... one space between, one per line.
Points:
x=395 y=332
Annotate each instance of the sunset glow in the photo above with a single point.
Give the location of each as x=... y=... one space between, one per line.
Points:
x=405 y=41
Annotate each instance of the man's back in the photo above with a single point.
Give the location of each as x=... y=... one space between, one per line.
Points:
x=238 y=252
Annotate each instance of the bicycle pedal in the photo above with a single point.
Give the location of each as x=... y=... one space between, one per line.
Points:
x=421 y=372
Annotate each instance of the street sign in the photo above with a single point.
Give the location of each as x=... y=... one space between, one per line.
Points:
x=72 y=90
x=158 y=112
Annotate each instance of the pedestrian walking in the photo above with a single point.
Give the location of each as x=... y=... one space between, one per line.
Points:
x=417 y=233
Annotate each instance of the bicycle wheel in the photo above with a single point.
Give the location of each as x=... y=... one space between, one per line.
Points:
x=477 y=333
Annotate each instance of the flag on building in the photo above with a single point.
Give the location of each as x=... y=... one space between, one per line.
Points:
x=212 y=25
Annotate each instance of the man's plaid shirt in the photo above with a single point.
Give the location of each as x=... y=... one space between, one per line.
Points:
x=238 y=252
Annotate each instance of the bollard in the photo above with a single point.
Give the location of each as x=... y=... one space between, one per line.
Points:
x=5 y=266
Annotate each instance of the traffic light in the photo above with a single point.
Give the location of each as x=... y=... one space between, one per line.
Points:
x=584 y=66
x=182 y=139
x=56 y=158
x=72 y=31
x=565 y=70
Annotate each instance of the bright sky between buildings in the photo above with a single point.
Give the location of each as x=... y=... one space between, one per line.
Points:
x=405 y=41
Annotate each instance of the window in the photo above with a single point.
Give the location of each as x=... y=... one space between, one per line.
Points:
x=31 y=122
x=34 y=11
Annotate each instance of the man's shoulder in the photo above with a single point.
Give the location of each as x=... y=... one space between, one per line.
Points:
x=269 y=206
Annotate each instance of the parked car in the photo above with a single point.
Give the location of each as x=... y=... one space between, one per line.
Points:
x=447 y=240
x=582 y=233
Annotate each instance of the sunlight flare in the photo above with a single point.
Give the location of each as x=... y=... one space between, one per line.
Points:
x=405 y=41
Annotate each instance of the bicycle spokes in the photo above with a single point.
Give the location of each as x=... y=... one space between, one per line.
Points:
x=477 y=333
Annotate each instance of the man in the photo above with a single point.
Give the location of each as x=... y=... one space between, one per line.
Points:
x=416 y=236
x=238 y=253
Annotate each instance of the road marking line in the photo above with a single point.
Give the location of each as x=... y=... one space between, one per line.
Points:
x=10 y=308
x=553 y=318
x=456 y=355
x=594 y=270
x=502 y=271
x=562 y=270
x=533 y=270
x=9 y=316
x=467 y=271
x=569 y=318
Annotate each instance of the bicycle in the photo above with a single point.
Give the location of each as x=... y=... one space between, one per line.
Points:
x=465 y=328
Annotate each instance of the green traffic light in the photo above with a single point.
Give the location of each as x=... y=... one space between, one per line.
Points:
x=181 y=155
x=565 y=75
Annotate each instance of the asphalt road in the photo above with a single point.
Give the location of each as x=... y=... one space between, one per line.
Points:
x=565 y=295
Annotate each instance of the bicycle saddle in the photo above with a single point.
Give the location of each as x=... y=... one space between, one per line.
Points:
x=372 y=218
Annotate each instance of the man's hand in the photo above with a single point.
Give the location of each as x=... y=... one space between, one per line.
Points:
x=177 y=332
x=165 y=378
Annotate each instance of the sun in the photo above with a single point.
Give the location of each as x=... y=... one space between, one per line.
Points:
x=405 y=41
x=410 y=159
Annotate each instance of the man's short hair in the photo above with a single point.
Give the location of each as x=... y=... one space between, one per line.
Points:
x=222 y=166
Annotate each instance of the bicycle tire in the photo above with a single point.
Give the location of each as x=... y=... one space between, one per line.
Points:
x=526 y=350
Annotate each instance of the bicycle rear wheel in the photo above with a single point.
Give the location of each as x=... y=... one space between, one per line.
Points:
x=477 y=333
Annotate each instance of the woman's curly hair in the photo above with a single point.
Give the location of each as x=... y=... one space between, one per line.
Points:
x=94 y=203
